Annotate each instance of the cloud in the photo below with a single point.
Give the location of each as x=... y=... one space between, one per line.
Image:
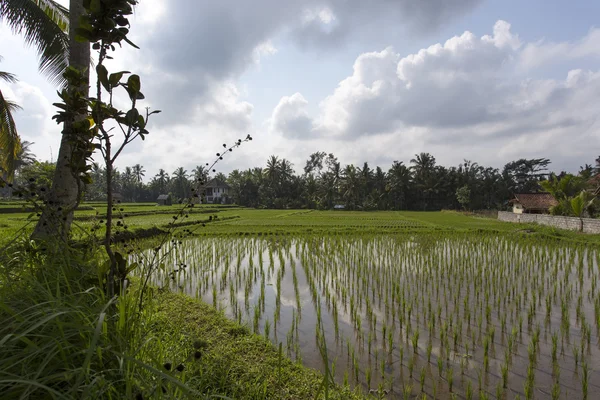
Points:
x=193 y=54
x=542 y=53
x=329 y=23
x=463 y=94
x=34 y=120
x=290 y=117
x=190 y=46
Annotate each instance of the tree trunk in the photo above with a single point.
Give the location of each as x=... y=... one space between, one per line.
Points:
x=64 y=196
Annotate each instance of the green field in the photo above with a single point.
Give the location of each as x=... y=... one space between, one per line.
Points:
x=233 y=220
x=406 y=303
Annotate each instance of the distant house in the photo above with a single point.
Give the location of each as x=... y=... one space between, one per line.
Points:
x=117 y=197
x=216 y=192
x=533 y=203
x=164 y=200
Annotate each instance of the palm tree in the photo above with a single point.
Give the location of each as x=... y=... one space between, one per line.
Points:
x=180 y=179
x=351 y=185
x=10 y=142
x=272 y=170
x=24 y=156
x=424 y=169
x=424 y=163
x=138 y=172
x=64 y=195
x=162 y=178
x=399 y=182
x=200 y=174
x=44 y=25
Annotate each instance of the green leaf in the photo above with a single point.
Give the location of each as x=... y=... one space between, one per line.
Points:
x=133 y=83
x=131 y=43
x=96 y=6
x=87 y=179
x=132 y=116
x=103 y=76
x=115 y=78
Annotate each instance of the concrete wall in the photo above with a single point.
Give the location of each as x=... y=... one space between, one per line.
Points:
x=590 y=225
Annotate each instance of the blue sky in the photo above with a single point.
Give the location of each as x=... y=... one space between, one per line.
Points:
x=369 y=81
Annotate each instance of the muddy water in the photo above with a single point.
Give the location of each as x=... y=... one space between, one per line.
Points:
x=412 y=315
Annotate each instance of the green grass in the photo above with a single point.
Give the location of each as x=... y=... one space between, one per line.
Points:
x=62 y=338
x=35 y=350
x=235 y=363
x=234 y=220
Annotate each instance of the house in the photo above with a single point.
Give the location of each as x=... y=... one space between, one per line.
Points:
x=216 y=192
x=117 y=197
x=164 y=200
x=533 y=203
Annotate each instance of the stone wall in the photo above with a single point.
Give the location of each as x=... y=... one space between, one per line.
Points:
x=590 y=225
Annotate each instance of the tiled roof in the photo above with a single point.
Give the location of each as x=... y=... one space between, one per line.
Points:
x=215 y=183
x=535 y=201
x=163 y=197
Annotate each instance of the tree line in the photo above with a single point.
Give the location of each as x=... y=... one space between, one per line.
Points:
x=324 y=182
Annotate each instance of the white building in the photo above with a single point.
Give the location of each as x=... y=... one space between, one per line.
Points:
x=216 y=192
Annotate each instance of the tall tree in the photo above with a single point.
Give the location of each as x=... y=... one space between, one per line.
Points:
x=399 y=185
x=67 y=186
x=180 y=182
x=424 y=170
x=138 y=172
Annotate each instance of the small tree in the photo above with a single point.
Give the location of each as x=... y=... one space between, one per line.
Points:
x=463 y=196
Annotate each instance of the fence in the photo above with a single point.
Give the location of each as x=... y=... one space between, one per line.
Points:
x=587 y=225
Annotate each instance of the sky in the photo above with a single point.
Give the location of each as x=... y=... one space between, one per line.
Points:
x=370 y=81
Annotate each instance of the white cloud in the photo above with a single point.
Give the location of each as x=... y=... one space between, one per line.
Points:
x=291 y=118
x=542 y=53
x=463 y=95
x=34 y=120
x=264 y=49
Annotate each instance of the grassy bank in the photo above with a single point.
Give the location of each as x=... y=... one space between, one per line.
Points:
x=233 y=362
x=62 y=338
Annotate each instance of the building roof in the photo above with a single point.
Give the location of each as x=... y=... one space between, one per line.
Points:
x=163 y=197
x=535 y=201
x=215 y=183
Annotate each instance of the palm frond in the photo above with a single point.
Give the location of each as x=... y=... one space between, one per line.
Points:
x=44 y=25
x=10 y=143
x=8 y=77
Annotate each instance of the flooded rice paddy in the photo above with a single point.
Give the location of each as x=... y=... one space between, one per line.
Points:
x=405 y=316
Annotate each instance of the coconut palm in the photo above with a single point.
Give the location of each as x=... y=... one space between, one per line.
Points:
x=272 y=170
x=10 y=143
x=44 y=25
x=200 y=174
x=180 y=182
x=24 y=156
x=399 y=184
x=162 y=178
x=138 y=172
x=64 y=195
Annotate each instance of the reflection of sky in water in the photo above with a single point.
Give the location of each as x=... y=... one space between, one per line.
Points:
x=406 y=270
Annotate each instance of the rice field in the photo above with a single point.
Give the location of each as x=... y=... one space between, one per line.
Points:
x=438 y=314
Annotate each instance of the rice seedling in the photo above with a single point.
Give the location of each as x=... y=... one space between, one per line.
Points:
x=450 y=378
x=377 y=293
